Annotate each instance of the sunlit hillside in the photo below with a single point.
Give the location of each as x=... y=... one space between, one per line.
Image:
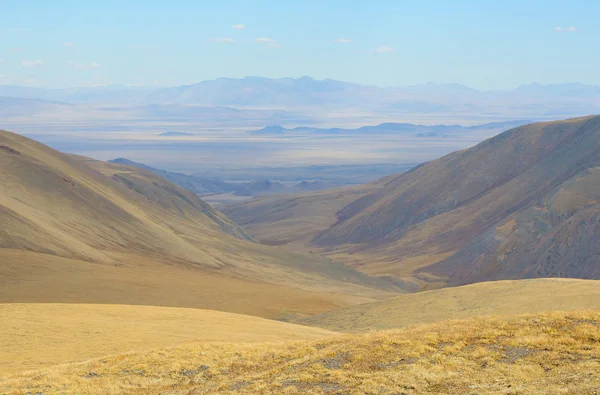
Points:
x=86 y=231
x=538 y=354
x=505 y=298
x=37 y=335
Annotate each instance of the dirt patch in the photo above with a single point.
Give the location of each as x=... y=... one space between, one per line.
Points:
x=9 y=150
x=327 y=388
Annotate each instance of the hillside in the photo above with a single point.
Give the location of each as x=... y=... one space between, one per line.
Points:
x=503 y=298
x=292 y=220
x=523 y=204
x=79 y=230
x=40 y=335
x=537 y=354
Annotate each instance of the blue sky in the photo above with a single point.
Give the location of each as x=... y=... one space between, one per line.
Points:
x=482 y=44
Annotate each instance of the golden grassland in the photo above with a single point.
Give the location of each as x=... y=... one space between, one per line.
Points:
x=550 y=353
x=497 y=297
x=45 y=334
x=27 y=277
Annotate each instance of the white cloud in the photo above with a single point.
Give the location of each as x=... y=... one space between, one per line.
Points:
x=342 y=41
x=265 y=40
x=68 y=44
x=85 y=66
x=32 y=63
x=32 y=82
x=569 y=29
x=384 y=49
x=98 y=81
x=239 y=26
x=275 y=45
x=222 y=40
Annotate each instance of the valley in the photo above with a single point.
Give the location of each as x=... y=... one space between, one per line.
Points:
x=363 y=287
x=500 y=210
x=299 y=197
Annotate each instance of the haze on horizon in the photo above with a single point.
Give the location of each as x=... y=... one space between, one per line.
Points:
x=385 y=43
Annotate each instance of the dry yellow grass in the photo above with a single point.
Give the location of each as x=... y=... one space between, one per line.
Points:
x=42 y=335
x=498 y=297
x=27 y=277
x=550 y=353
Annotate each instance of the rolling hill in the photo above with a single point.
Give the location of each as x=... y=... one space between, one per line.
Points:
x=523 y=204
x=501 y=298
x=79 y=230
x=536 y=354
x=36 y=335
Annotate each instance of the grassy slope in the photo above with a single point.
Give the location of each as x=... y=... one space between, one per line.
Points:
x=38 y=278
x=76 y=220
x=293 y=220
x=539 y=354
x=499 y=297
x=41 y=335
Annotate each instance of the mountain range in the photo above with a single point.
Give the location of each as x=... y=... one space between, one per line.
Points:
x=387 y=127
x=305 y=92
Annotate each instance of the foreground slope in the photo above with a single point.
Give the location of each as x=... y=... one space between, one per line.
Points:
x=75 y=229
x=538 y=354
x=524 y=204
x=504 y=298
x=42 y=335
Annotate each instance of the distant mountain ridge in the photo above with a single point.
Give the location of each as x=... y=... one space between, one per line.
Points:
x=388 y=127
x=257 y=92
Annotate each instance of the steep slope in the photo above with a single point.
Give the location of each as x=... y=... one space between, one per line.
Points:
x=505 y=298
x=523 y=204
x=539 y=354
x=37 y=335
x=74 y=219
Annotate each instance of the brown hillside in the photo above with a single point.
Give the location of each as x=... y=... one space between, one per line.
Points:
x=523 y=204
x=91 y=227
x=293 y=220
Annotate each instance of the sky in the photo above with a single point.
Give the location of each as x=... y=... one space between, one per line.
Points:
x=487 y=45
